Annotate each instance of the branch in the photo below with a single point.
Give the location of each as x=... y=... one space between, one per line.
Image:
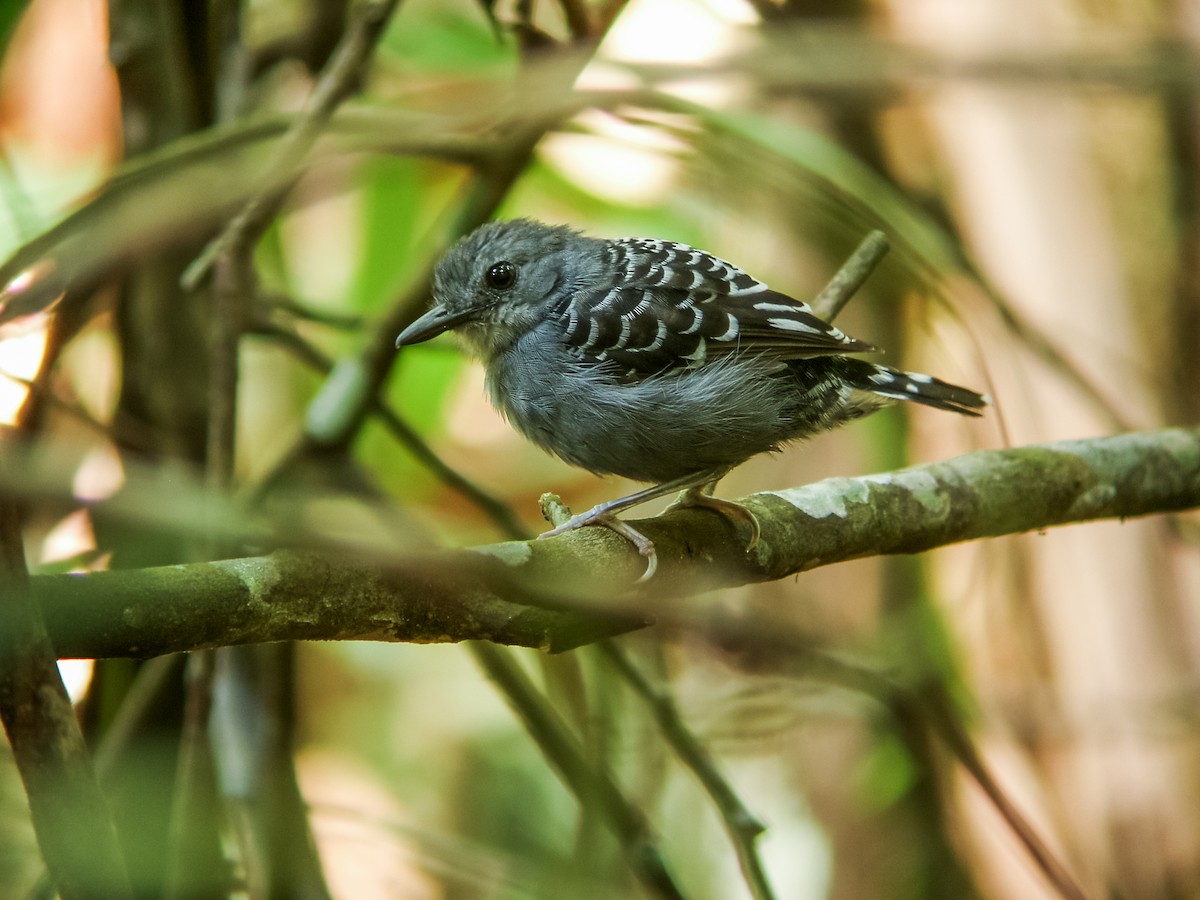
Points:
x=70 y=816
x=852 y=275
x=514 y=593
x=742 y=826
x=765 y=645
x=339 y=78
x=591 y=785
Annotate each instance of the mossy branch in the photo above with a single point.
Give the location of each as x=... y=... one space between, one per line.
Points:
x=579 y=588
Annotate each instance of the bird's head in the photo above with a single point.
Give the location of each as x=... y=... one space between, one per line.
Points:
x=499 y=281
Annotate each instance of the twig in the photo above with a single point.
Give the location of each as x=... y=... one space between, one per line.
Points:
x=151 y=682
x=48 y=397
x=496 y=509
x=936 y=712
x=493 y=507
x=189 y=854
x=296 y=310
x=484 y=194
x=338 y=79
x=851 y=276
x=593 y=788
x=232 y=290
x=767 y=10
x=946 y=725
x=740 y=823
x=607 y=14
x=1044 y=347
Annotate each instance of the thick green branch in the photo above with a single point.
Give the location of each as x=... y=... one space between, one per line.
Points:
x=292 y=596
x=551 y=593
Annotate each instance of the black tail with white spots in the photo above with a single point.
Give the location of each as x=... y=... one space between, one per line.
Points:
x=897 y=385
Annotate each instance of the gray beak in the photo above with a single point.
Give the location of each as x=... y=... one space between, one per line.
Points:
x=432 y=324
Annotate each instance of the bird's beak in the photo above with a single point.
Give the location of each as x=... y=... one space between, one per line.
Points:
x=432 y=324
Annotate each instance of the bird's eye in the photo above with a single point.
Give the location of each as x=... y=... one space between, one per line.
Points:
x=501 y=276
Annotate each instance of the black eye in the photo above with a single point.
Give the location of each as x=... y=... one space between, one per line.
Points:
x=501 y=276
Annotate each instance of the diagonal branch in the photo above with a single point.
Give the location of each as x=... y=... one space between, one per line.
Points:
x=70 y=815
x=339 y=78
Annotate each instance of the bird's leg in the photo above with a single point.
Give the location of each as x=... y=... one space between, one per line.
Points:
x=701 y=495
x=606 y=514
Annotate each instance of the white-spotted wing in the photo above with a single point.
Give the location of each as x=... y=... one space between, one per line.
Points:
x=673 y=305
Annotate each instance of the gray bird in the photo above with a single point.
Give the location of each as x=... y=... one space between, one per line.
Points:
x=652 y=360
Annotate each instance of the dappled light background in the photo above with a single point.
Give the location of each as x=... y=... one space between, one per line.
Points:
x=1035 y=166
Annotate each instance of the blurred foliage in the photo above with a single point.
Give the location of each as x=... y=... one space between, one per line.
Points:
x=10 y=14
x=776 y=139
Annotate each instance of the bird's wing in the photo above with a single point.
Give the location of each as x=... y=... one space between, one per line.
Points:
x=674 y=306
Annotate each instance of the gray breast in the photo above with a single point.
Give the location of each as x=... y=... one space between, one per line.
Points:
x=653 y=429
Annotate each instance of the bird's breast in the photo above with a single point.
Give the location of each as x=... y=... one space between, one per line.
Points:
x=653 y=429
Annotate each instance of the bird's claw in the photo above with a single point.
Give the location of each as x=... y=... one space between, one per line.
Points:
x=644 y=545
x=733 y=512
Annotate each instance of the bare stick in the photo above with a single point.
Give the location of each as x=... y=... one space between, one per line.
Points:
x=851 y=276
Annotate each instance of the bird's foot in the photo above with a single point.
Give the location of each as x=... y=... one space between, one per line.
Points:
x=602 y=515
x=734 y=512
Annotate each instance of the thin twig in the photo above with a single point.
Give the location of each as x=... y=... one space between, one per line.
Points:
x=152 y=681
x=593 y=788
x=937 y=712
x=743 y=827
x=482 y=198
x=192 y=800
x=484 y=194
x=946 y=724
x=232 y=290
x=607 y=14
x=740 y=823
x=290 y=307
x=493 y=507
x=851 y=276
x=338 y=79
x=496 y=509
x=71 y=410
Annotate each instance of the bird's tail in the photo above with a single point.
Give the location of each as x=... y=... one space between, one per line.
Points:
x=896 y=385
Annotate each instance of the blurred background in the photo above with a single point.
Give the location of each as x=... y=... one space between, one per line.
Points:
x=1035 y=166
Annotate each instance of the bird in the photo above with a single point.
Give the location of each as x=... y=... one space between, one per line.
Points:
x=653 y=360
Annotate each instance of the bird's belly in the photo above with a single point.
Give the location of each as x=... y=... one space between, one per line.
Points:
x=653 y=430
